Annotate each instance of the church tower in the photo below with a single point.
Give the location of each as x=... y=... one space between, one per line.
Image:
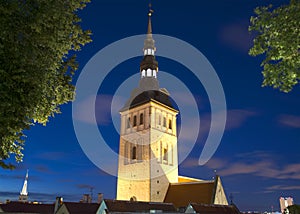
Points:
x=148 y=160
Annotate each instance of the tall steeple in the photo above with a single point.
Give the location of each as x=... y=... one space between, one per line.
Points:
x=24 y=192
x=149 y=65
x=148 y=160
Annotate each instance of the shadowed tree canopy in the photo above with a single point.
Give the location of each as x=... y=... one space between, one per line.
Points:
x=278 y=37
x=37 y=42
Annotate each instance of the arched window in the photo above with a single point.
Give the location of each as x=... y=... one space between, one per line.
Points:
x=133 y=198
x=128 y=122
x=134 y=120
x=170 y=124
x=141 y=118
x=133 y=155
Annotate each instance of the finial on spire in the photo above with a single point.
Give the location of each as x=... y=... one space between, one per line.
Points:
x=149 y=31
x=150 y=9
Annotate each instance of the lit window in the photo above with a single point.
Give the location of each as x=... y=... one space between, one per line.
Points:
x=143 y=73
x=141 y=118
x=154 y=73
x=149 y=72
x=133 y=156
x=134 y=120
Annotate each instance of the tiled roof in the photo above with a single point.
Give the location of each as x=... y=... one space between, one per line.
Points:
x=137 y=206
x=215 y=209
x=21 y=207
x=182 y=194
x=87 y=208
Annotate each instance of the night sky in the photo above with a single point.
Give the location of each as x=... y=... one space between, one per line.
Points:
x=258 y=156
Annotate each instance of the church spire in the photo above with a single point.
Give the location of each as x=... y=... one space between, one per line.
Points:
x=149 y=65
x=24 y=192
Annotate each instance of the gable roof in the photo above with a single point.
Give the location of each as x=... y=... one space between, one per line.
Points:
x=182 y=194
x=137 y=206
x=87 y=208
x=21 y=207
x=211 y=209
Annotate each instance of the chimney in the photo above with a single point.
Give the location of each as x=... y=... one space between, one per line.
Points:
x=100 y=198
x=86 y=198
x=58 y=203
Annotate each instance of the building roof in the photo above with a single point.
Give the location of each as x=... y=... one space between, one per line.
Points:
x=143 y=97
x=87 y=208
x=22 y=207
x=184 y=179
x=182 y=194
x=137 y=206
x=213 y=208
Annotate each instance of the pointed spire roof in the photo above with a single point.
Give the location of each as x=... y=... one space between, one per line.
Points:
x=24 y=189
x=149 y=42
x=149 y=31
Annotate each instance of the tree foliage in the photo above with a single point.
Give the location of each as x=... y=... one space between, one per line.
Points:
x=37 y=43
x=293 y=209
x=278 y=37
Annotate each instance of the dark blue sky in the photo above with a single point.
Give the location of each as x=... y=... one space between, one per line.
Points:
x=258 y=157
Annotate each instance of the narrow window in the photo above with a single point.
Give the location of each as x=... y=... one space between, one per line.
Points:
x=159 y=120
x=133 y=156
x=165 y=122
x=128 y=122
x=165 y=154
x=157 y=192
x=134 y=120
x=170 y=124
x=141 y=118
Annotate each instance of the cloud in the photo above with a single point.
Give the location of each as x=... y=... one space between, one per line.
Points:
x=8 y=176
x=40 y=197
x=42 y=169
x=237 y=117
x=263 y=168
x=83 y=112
x=51 y=155
x=214 y=163
x=283 y=187
x=84 y=186
x=289 y=120
x=236 y=35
